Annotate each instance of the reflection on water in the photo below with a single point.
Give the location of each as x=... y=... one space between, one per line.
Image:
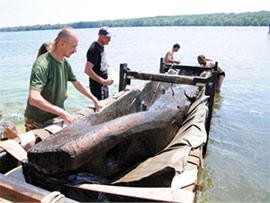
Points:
x=218 y=100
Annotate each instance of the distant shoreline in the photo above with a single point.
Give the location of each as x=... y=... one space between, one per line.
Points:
x=259 y=18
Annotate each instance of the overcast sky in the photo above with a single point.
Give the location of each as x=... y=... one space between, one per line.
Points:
x=32 y=12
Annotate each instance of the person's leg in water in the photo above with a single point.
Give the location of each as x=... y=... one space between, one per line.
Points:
x=220 y=79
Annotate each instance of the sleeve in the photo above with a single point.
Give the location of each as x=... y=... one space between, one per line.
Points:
x=71 y=76
x=39 y=77
x=92 y=56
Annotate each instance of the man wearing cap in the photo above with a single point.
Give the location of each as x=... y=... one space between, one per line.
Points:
x=96 y=65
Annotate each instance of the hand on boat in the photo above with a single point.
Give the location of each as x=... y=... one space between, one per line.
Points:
x=99 y=105
x=68 y=119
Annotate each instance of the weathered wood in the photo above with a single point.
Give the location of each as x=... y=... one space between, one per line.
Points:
x=13 y=148
x=141 y=98
x=210 y=84
x=126 y=75
x=162 y=78
x=190 y=135
x=62 y=153
x=18 y=191
x=128 y=102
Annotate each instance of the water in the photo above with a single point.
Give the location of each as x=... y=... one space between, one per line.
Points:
x=237 y=163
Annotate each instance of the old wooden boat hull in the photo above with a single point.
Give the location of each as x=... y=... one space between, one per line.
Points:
x=110 y=147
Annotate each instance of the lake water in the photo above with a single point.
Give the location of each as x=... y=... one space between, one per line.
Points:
x=237 y=163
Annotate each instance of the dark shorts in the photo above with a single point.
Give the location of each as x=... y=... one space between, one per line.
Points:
x=31 y=125
x=100 y=92
x=219 y=74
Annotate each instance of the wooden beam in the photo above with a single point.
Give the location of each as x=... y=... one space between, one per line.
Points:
x=178 y=79
x=126 y=75
x=18 y=191
x=161 y=78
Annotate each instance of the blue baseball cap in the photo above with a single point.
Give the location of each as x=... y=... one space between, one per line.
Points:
x=105 y=31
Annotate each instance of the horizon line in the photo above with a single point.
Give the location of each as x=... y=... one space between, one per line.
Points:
x=226 y=13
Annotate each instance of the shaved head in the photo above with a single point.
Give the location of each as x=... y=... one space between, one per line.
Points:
x=66 y=34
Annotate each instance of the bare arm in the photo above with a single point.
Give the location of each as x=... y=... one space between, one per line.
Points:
x=35 y=99
x=82 y=89
x=89 y=71
x=169 y=58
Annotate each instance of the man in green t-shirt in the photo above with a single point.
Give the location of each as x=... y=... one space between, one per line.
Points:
x=48 y=83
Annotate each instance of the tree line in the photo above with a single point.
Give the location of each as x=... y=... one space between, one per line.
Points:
x=260 y=18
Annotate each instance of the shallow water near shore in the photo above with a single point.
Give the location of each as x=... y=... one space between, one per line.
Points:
x=237 y=163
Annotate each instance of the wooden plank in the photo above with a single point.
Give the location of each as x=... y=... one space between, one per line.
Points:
x=156 y=194
x=162 y=78
x=15 y=149
x=28 y=139
x=126 y=75
x=184 y=179
x=18 y=191
x=55 y=127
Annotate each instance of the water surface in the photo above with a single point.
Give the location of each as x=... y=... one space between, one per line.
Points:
x=237 y=164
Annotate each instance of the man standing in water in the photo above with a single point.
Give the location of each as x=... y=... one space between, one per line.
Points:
x=202 y=60
x=96 y=65
x=169 y=55
x=48 y=83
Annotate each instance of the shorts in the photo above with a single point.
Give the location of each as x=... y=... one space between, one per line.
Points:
x=31 y=125
x=100 y=92
x=222 y=73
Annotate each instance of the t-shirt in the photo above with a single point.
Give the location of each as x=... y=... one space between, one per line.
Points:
x=96 y=55
x=49 y=77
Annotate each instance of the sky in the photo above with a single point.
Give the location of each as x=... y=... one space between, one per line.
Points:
x=33 y=12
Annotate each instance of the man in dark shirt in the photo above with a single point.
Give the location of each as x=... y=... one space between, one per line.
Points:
x=96 y=65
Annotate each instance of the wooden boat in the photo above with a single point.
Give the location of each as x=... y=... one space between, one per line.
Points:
x=147 y=143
